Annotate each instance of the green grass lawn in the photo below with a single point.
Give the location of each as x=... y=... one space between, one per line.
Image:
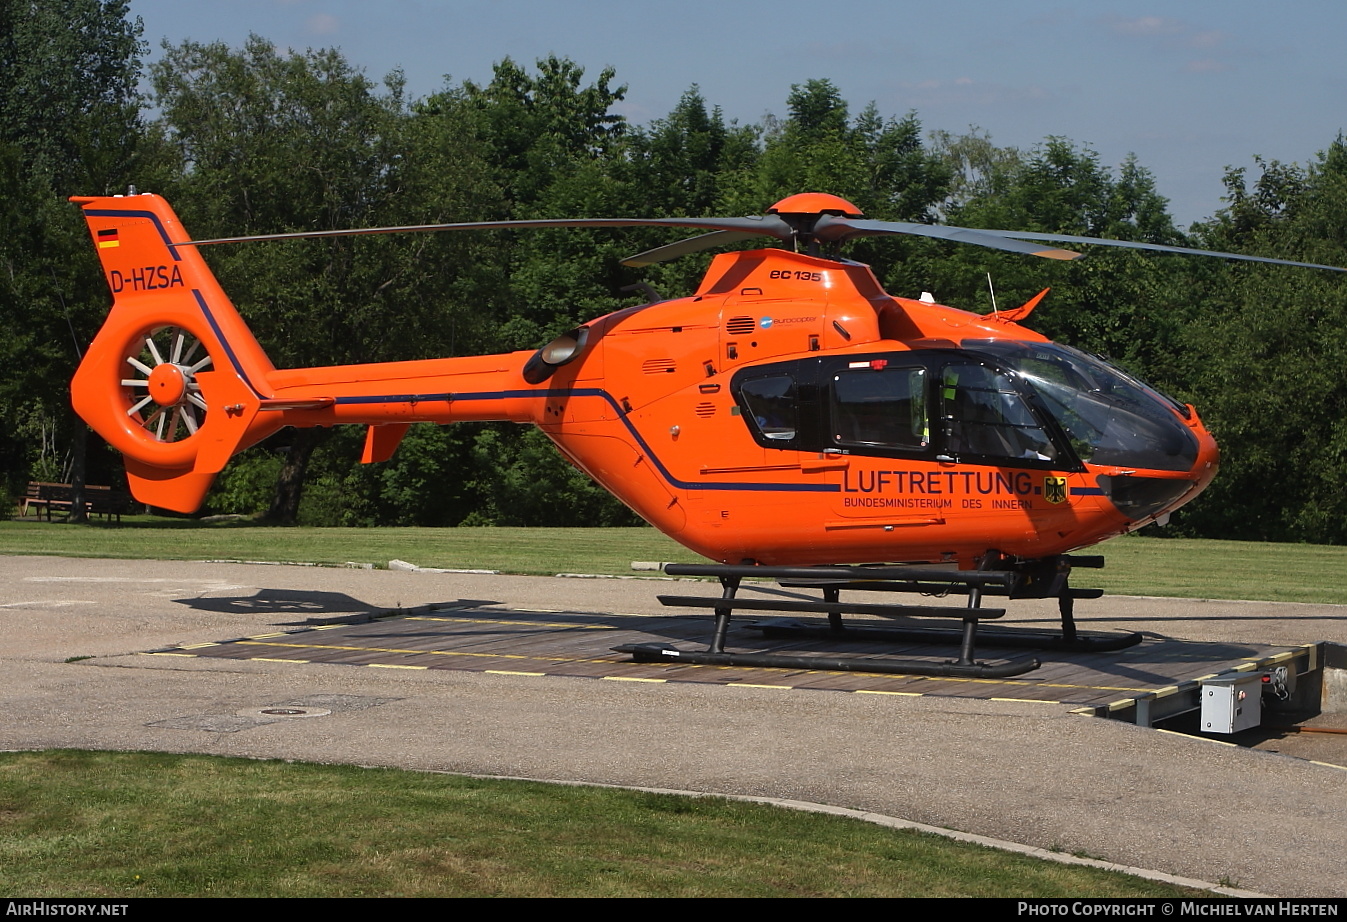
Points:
x=1136 y=565
x=86 y=824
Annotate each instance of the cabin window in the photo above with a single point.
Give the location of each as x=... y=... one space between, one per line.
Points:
x=985 y=416
x=771 y=404
x=881 y=407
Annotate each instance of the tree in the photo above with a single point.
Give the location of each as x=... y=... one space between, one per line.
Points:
x=879 y=164
x=69 y=69
x=532 y=126
x=69 y=124
x=1269 y=351
x=1124 y=304
x=270 y=142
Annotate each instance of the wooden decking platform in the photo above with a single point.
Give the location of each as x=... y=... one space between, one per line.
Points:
x=579 y=644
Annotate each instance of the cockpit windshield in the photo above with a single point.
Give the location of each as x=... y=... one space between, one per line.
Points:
x=1109 y=417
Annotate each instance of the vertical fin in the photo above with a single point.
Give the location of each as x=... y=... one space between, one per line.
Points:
x=174 y=378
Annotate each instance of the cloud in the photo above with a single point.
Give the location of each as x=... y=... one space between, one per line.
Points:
x=1145 y=25
x=1176 y=40
x=323 y=24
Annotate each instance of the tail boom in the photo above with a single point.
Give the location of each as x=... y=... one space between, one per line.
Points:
x=178 y=384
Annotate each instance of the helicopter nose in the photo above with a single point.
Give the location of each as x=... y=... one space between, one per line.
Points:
x=1150 y=495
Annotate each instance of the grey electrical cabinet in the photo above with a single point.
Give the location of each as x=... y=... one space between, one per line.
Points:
x=1232 y=702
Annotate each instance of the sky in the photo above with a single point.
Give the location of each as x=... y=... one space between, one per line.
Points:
x=1188 y=86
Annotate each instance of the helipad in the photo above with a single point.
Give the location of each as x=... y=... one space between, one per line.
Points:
x=524 y=642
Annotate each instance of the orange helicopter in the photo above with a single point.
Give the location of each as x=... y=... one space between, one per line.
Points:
x=788 y=419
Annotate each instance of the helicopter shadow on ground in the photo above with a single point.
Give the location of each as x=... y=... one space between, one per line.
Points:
x=311 y=607
x=481 y=625
x=475 y=621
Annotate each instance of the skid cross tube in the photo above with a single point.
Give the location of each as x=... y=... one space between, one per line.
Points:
x=892 y=574
x=1048 y=578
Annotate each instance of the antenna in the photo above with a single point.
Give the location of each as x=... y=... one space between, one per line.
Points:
x=992 y=289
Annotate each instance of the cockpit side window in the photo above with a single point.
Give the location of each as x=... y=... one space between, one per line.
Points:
x=986 y=417
x=881 y=407
x=1107 y=416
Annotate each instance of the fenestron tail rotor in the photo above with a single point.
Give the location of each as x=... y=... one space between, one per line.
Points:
x=162 y=385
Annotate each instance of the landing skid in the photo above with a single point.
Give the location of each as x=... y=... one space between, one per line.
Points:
x=887 y=665
x=785 y=628
x=1045 y=578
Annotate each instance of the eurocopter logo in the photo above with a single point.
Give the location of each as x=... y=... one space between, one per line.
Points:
x=1054 y=489
x=765 y=323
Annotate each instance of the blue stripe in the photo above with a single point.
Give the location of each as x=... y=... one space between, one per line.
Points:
x=645 y=447
x=1086 y=491
x=219 y=335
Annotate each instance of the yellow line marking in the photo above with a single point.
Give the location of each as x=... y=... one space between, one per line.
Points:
x=558 y=624
x=574 y=659
x=264 y=636
x=198 y=646
x=510 y=672
x=1020 y=682
x=872 y=691
x=272 y=659
x=1205 y=739
x=1328 y=765
x=318 y=646
x=626 y=678
x=1125 y=688
x=1126 y=702
x=1025 y=700
x=393 y=666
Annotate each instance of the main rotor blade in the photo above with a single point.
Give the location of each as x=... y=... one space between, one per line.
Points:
x=836 y=229
x=689 y=246
x=1165 y=248
x=752 y=225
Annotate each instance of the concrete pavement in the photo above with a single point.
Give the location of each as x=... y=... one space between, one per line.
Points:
x=1029 y=773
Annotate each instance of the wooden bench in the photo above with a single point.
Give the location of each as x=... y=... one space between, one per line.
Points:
x=98 y=500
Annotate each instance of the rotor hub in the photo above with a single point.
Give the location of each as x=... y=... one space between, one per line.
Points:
x=168 y=385
x=815 y=203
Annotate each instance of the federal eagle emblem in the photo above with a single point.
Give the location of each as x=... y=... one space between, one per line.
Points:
x=1054 y=489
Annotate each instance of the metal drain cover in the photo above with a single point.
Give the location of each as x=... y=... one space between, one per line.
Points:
x=283 y=712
